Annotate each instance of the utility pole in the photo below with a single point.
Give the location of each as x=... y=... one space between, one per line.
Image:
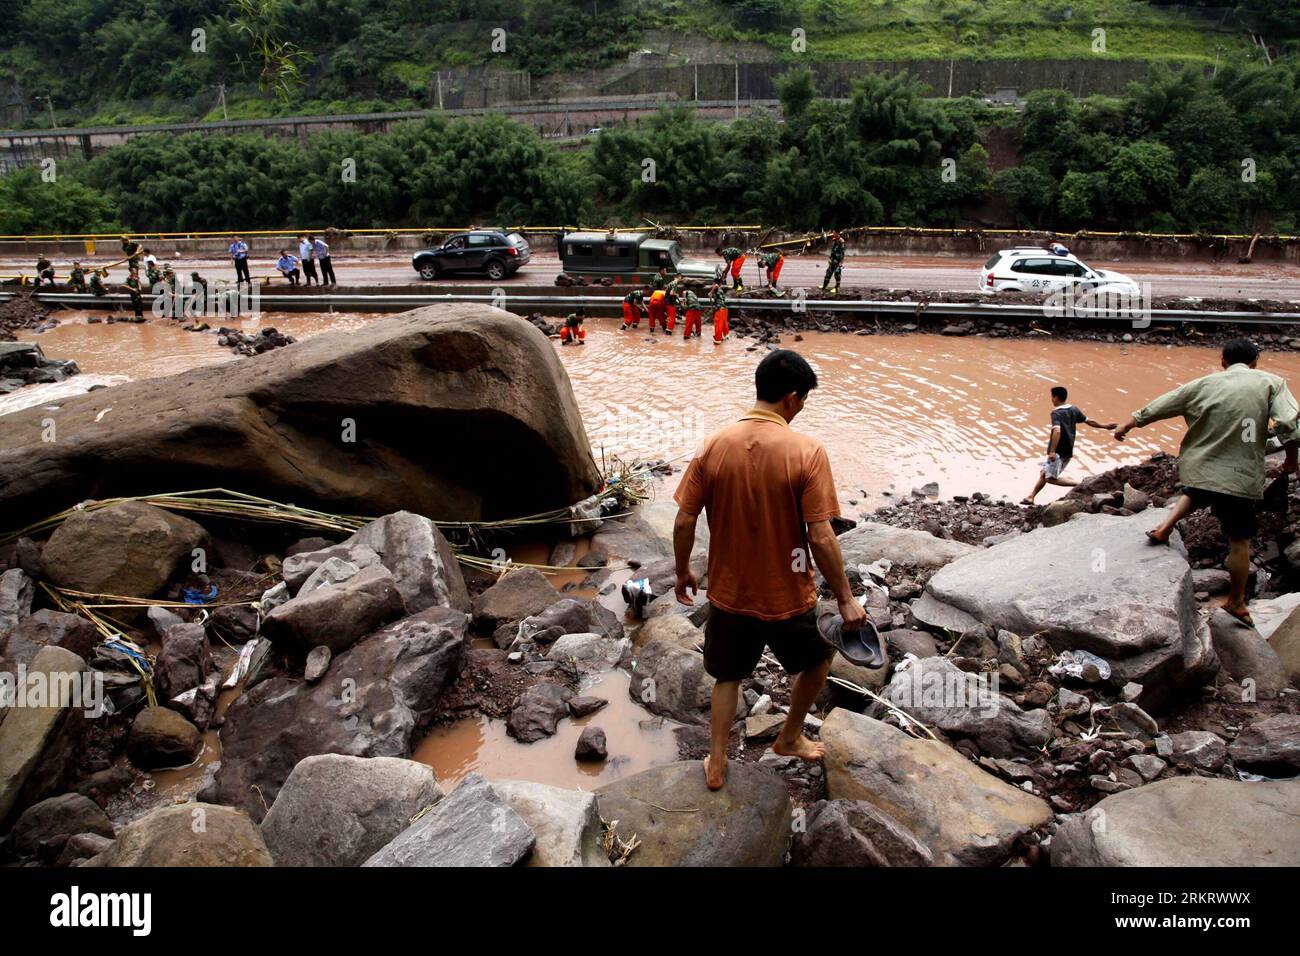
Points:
x=737 y=86
x=697 y=82
x=225 y=115
x=50 y=103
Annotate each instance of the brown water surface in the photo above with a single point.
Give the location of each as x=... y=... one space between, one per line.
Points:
x=893 y=411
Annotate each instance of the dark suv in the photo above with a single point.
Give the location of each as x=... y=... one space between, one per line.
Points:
x=488 y=252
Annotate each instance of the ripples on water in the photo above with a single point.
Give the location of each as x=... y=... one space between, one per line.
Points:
x=893 y=411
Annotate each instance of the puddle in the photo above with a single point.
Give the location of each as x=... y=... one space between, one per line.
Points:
x=636 y=740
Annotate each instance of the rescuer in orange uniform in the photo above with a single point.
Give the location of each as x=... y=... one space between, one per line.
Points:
x=718 y=301
x=634 y=309
x=734 y=259
x=572 y=332
x=693 y=323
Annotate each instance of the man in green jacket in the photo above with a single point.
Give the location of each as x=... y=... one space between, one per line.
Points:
x=1221 y=460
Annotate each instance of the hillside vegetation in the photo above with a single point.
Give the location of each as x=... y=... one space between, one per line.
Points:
x=117 y=61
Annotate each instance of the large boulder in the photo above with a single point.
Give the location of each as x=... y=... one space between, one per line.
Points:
x=374 y=701
x=633 y=539
x=187 y=834
x=1246 y=656
x=336 y=615
x=855 y=833
x=130 y=549
x=681 y=822
x=49 y=628
x=51 y=822
x=1270 y=747
x=965 y=816
x=565 y=616
x=1096 y=584
x=939 y=694
x=373 y=420
x=670 y=681
x=183 y=662
x=1285 y=641
x=870 y=541
x=336 y=810
x=162 y=738
x=673 y=628
x=565 y=822
x=1186 y=821
x=420 y=558
x=472 y=826
x=28 y=732
x=522 y=593
x=302 y=566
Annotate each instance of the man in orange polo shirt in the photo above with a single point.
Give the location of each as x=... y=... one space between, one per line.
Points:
x=770 y=497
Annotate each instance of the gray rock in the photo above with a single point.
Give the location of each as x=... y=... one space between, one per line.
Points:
x=537 y=712
x=16 y=593
x=420 y=559
x=522 y=593
x=1270 y=747
x=1061 y=511
x=1285 y=641
x=583 y=706
x=670 y=681
x=871 y=541
x=187 y=834
x=374 y=701
x=962 y=705
x=331 y=571
x=162 y=738
x=299 y=568
x=764 y=727
x=1212 y=581
x=565 y=822
x=46 y=628
x=1135 y=500
x=855 y=833
x=336 y=810
x=564 y=616
x=962 y=814
x=184 y=661
x=1134 y=721
x=591 y=745
x=907 y=641
x=1070 y=704
x=130 y=549
x=337 y=615
x=1147 y=766
x=592 y=652
x=672 y=628
x=81 y=847
x=1186 y=821
x=27 y=732
x=1247 y=656
x=318 y=662
x=53 y=821
x=1199 y=749
x=746 y=823
x=633 y=539
x=1093 y=584
x=472 y=826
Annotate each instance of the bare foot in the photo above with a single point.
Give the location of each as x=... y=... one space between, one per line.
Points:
x=714 y=779
x=1238 y=611
x=803 y=748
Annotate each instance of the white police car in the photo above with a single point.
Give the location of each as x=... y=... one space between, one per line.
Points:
x=1044 y=270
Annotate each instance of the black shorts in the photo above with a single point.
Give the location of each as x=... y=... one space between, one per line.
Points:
x=1236 y=515
x=733 y=643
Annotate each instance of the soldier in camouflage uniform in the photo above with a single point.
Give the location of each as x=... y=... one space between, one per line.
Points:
x=718 y=302
x=77 y=278
x=691 y=302
x=97 y=282
x=137 y=300
x=835 y=266
x=734 y=259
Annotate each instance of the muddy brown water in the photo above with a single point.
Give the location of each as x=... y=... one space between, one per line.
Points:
x=893 y=411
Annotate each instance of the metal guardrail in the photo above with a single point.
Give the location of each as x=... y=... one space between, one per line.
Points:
x=947 y=310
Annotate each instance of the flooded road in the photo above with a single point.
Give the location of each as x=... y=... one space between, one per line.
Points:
x=893 y=411
x=1195 y=277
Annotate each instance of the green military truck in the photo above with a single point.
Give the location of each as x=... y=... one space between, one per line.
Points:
x=628 y=258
